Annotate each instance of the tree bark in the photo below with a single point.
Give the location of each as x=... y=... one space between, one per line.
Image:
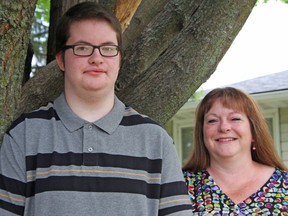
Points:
x=15 y=25
x=56 y=10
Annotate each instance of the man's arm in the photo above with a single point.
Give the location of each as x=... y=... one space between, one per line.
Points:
x=12 y=177
x=174 y=198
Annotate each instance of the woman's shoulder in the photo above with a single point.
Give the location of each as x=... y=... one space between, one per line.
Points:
x=194 y=175
x=279 y=182
x=279 y=179
x=282 y=173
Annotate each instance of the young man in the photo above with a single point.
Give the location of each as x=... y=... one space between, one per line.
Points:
x=86 y=153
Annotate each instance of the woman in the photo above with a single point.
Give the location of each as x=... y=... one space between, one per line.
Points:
x=234 y=168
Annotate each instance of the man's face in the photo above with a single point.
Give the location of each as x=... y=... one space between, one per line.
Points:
x=93 y=73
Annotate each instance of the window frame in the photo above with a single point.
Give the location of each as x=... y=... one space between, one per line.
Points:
x=273 y=113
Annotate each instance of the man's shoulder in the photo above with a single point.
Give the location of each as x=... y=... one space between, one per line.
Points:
x=132 y=117
x=43 y=113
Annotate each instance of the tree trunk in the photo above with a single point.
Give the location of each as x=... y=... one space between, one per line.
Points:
x=171 y=47
x=176 y=51
x=15 y=25
x=56 y=10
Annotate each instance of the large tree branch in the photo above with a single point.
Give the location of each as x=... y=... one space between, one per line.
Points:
x=172 y=54
x=177 y=51
x=125 y=10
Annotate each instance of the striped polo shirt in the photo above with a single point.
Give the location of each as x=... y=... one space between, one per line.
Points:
x=54 y=163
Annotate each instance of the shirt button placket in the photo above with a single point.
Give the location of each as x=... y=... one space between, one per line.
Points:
x=88 y=143
x=90 y=149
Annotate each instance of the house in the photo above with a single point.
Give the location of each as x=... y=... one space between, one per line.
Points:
x=271 y=93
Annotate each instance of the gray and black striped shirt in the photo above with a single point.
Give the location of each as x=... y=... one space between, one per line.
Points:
x=54 y=163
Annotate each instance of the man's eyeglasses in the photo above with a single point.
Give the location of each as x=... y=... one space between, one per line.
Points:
x=87 y=50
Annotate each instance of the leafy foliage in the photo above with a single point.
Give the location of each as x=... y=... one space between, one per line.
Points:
x=265 y=1
x=198 y=95
x=39 y=33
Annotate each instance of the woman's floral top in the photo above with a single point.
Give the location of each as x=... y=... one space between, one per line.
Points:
x=208 y=199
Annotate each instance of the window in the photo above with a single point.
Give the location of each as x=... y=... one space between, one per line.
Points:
x=269 y=122
x=272 y=119
x=183 y=138
x=186 y=142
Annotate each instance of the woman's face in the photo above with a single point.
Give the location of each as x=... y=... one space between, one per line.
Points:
x=227 y=133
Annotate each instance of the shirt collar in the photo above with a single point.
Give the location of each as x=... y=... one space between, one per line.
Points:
x=111 y=121
x=72 y=122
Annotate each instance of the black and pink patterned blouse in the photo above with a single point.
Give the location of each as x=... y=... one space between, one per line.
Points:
x=208 y=199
